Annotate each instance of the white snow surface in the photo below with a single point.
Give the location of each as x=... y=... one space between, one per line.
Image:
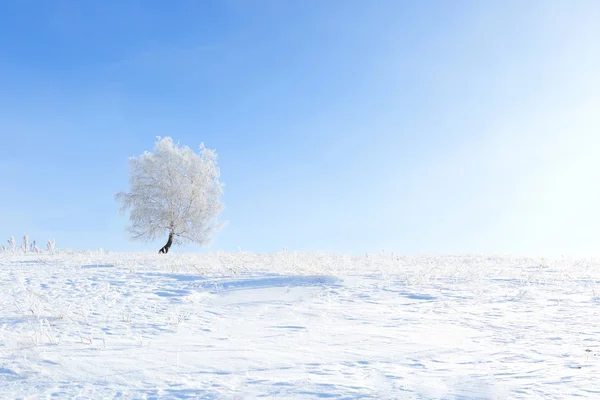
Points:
x=298 y=325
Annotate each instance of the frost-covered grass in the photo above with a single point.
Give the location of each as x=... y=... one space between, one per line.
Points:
x=297 y=325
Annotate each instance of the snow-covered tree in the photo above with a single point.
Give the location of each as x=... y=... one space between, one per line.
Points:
x=25 y=243
x=175 y=191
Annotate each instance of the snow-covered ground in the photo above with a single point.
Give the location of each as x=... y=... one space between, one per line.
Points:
x=296 y=325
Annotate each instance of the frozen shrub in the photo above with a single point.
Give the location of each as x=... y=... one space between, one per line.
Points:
x=51 y=244
x=12 y=244
x=25 y=243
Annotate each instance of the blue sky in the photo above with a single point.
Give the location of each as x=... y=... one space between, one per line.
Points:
x=346 y=126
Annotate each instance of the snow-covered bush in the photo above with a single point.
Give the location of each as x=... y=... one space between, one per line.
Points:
x=25 y=243
x=12 y=243
x=51 y=245
x=175 y=191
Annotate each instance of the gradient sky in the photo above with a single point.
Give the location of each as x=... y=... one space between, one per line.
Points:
x=346 y=126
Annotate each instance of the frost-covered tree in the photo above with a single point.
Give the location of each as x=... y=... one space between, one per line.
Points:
x=174 y=191
x=25 y=243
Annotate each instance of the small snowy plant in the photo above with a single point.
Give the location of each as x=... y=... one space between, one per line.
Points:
x=12 y=244
x=51 y=244
x=25 y=243
x=174 y=191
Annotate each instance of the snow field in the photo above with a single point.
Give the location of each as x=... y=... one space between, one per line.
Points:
x=297 y=325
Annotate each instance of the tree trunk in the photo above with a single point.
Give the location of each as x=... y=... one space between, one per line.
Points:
x=167 y=246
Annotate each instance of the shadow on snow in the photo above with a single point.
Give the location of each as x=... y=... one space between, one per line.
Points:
x=221 y=285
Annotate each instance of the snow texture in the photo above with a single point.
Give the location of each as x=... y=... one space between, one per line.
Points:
x=297 y=325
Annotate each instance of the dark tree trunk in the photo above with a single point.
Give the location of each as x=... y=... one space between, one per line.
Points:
x=167 y=246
